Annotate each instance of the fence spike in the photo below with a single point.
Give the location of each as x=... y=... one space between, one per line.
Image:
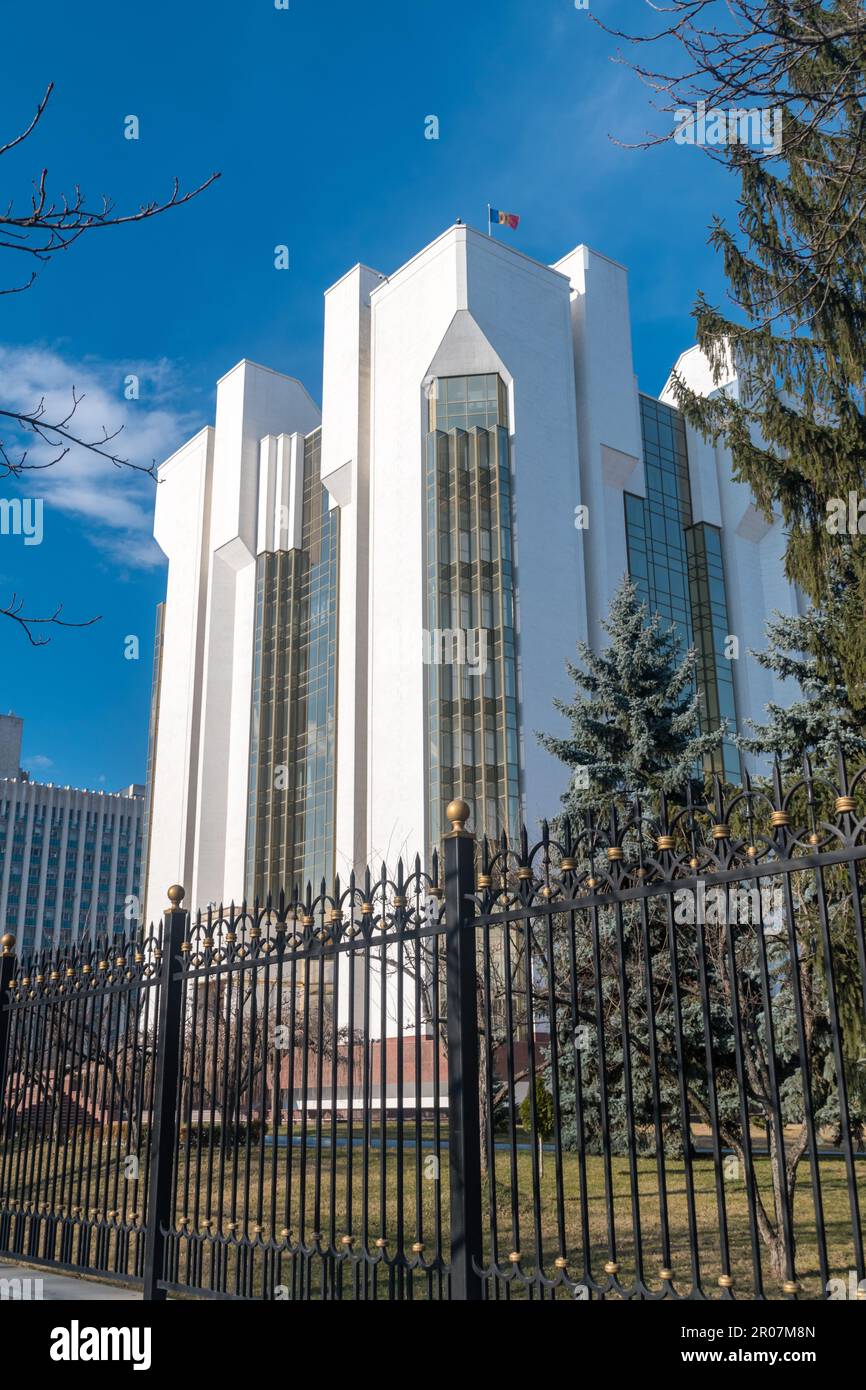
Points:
x=842 y=766
x=808 y=777
x=777 y=781
x=690 y=818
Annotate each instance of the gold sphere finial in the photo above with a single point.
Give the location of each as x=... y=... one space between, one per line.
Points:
x=457 y=812
x=176 y=895
x=7 y=941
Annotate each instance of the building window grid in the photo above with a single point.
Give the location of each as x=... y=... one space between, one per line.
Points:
x=291 y=829
x=676 y=570
x=472 y=747
x=58 y=889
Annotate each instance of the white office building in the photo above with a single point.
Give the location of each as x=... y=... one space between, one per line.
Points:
x=370 y=605
x=70 y=860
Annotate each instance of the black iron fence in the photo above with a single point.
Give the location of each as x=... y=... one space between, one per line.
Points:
x=624 y=1061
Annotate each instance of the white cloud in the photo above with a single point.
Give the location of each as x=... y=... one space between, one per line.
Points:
x=39 y=762
x=115 y=504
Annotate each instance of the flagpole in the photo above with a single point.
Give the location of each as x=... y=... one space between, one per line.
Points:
x=489 y=224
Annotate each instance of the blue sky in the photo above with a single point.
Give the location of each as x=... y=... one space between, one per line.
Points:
x=315 y=117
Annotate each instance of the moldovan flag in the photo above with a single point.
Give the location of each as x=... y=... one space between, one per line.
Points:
x=504 y=219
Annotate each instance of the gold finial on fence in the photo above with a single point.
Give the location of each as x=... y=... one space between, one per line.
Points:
x=176 y=895
x=458 y=813
x=7 y=942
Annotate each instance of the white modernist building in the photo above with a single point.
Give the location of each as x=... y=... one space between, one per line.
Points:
x=370 y=606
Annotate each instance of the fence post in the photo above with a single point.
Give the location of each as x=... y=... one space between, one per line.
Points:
x=7 y=970
x=164 y=1115
x=464 y=1140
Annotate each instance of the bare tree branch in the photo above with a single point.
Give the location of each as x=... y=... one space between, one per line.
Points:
x=51 y=225
x=59 y=436
x=13 y=610
x=19 y=289
x=48 y=226
x=10 y=145
x=732 y=55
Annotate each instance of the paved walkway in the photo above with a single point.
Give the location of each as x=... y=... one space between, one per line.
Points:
x=58 y=1288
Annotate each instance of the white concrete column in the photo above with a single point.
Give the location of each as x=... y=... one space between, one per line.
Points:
x=345 y=472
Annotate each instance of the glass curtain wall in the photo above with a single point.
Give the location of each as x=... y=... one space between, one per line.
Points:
x=290 y=825
x=677 y=568
x=470 y=644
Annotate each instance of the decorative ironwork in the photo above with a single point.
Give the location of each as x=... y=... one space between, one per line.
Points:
x=620 y=1061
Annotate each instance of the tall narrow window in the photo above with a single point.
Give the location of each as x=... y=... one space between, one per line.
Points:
x=677 y=569
x=290 y=822
x=469 y=581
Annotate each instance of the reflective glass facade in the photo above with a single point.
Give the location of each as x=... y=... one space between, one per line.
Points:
x=290 y=823
x=677 y=567
x=459 y=402
x=710 y=620
x=470 y=680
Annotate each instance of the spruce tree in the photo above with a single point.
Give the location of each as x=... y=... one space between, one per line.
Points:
x=634 y=719
x=795 y=264
x=823 y=719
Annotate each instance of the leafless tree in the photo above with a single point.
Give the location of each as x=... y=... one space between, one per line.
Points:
x=732 y=52
x=37 y=231
x=803 y=60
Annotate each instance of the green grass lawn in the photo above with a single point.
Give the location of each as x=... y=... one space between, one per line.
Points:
x=268 y=1191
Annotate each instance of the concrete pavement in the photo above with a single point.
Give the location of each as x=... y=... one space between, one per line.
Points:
x=35 y=1284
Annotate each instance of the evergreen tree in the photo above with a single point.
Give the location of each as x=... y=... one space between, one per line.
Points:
x=634 y=719
x=796 y=270
x=823 y=719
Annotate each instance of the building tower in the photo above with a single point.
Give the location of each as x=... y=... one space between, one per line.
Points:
x=369 y=609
